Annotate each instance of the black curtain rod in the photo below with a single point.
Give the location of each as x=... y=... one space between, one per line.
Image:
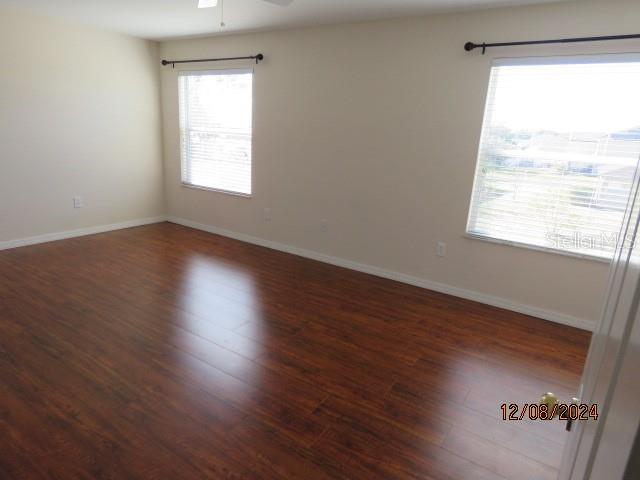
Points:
x=469 y=46
x=258 y=58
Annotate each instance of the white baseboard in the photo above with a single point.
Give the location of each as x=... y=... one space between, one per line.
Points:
x=340 y=262
x=52 y=237
x=399 y=277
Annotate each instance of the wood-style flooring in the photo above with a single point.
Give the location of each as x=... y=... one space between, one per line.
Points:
x=163 y=352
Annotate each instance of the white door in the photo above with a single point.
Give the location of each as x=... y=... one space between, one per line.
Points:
x=600 y=449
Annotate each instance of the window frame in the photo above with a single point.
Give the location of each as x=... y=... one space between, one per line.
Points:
x=538 y=60
x=214 y=71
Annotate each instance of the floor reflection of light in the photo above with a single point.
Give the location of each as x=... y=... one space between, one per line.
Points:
x=211 y=380
x=217 y=297
x=218 y=289
x=234 y=281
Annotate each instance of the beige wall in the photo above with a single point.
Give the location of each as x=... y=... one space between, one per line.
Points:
x=375 y=127
x=79 y=115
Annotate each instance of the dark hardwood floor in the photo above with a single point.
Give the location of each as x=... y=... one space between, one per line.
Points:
x=163 y=352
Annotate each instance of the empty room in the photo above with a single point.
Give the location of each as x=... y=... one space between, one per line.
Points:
x=303 y=239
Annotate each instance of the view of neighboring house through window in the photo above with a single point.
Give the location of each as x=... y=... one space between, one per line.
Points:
x=216 y=129
x=558 y=153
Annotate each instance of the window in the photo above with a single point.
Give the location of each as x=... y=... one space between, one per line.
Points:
x=558 y=153
x=215 y=129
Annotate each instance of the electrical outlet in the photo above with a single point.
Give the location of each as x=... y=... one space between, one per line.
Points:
x=267 y=214
x=78 y=202
x=441 y=249
x=324 y=225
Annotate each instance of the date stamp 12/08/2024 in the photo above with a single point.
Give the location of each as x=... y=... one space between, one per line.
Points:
x=561 y=411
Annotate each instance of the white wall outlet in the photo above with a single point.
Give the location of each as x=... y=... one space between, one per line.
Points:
x=78 y=202
x=441 y=249
x=267 y=214
x=324 y=225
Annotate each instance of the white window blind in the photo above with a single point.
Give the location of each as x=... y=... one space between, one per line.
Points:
x=559 y=149
x=215 y=129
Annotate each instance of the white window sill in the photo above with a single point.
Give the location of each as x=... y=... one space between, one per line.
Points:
x=216 y=190
x=539 y=248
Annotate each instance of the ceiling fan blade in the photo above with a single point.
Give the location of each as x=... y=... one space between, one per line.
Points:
x=207 y=3
x=282 y=3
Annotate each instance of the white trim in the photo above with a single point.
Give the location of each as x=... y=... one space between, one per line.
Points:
x=549 y=315
x=215 y=190
x=588 y=58
x=213 y=71
x=52 y=237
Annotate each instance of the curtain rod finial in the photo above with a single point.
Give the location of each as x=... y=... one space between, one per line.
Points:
x=469 y=46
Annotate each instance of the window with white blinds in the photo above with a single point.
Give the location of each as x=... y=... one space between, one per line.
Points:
x=215 y=129
x=559 y=149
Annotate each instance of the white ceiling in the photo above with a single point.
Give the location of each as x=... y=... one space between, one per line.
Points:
x=160 y=19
